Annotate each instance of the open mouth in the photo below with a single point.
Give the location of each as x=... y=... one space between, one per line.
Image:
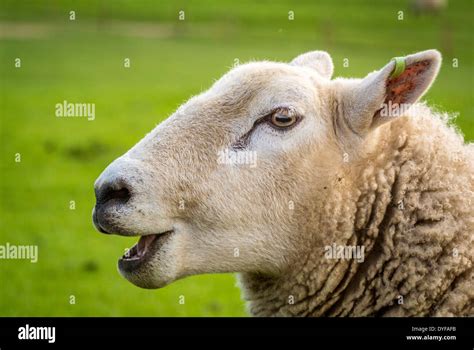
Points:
x=142 y=252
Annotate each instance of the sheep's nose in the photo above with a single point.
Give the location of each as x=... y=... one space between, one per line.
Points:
x=109 y=194
x=116 y=191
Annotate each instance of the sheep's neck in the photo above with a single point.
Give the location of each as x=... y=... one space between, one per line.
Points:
x=316 y=282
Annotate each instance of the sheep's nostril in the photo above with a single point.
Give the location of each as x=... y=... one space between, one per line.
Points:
x=122 y=195
x=118 y=192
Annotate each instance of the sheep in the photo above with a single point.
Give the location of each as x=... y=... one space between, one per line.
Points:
x=344 y=203
x=428 y=6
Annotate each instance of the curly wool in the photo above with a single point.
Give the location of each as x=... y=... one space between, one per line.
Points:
x=408 y=201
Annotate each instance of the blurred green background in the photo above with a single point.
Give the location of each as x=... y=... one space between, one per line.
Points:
x=83 y=61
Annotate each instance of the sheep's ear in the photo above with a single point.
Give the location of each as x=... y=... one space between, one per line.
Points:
x=317 y=60
x=387 y=93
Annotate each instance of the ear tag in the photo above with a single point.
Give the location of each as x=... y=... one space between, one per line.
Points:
x=399 y=67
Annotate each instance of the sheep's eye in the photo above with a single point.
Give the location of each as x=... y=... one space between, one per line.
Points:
x=283 y=118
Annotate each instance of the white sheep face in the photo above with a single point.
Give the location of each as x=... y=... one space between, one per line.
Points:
x=226 y=182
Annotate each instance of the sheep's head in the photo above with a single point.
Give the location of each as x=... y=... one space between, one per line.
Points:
x=226 y=183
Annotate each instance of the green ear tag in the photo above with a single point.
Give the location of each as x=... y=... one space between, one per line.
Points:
x=399 y=67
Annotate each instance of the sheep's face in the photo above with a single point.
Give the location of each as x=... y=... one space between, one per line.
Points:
x=214 y=187
x=220 y=185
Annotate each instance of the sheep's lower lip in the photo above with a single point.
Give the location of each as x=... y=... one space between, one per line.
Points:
x=142 y=252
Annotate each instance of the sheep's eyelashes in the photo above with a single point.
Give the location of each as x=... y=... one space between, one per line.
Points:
x=283 y=118
x=283 y=121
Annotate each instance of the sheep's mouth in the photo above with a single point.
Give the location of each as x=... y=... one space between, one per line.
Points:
x=146 y=247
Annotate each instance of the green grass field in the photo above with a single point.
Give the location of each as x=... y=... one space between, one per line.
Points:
x=83 y=61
